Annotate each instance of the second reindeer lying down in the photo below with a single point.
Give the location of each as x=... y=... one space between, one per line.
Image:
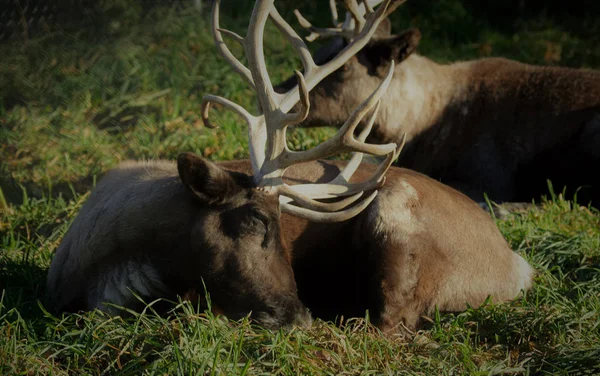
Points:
x=353 y=243
x=489 y=126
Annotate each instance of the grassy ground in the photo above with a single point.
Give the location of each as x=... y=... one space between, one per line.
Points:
x=74 y=104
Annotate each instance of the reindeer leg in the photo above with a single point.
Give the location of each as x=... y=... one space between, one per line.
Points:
x=396 y=255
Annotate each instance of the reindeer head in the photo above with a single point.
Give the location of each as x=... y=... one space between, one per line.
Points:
x=335 y=96
x=247 y=266
x=251 y=260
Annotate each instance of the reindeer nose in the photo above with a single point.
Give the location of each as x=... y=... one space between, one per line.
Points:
x=300 y=315
x=303 y=319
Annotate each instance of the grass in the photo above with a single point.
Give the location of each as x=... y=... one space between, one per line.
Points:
x=73 y=103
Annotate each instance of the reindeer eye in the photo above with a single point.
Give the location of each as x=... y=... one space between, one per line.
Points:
x=265 y=222
x=256 y=222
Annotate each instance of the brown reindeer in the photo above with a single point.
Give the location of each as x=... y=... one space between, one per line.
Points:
x=401 y=249
x=491 y=126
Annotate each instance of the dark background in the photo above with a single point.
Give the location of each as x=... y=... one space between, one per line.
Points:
x=29 y=18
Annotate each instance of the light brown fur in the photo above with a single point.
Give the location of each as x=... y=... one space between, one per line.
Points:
x=430 y=246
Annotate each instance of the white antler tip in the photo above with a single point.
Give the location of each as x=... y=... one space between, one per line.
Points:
x=301 y=20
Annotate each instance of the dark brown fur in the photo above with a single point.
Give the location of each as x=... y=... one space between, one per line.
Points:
x=143 y=230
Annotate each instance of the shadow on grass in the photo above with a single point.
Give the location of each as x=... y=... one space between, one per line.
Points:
x=116 y=120
x=23 y=286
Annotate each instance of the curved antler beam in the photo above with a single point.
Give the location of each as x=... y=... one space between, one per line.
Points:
x=329 y=217
x=241 y=111
x=222 y=47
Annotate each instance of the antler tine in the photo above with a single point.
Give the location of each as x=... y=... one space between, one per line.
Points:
x=392 y=7
x=289 y=194
x=357 y=15
x=357 y=158
x=377 y=179
x=334 y=13
x=318 y=32
x=297 y=43
x=241 y=111
x=368 y=6
x=222 y=47
x=347 y=29
x=365 y=7
x=253 y=45
x=329 y=217
x=359 y=41
x=353 y=24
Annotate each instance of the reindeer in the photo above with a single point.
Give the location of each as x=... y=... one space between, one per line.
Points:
x=492 y=125
x=329 y=235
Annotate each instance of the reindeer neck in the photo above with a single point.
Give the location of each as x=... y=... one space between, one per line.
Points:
x=421 y=90
x=430 y=103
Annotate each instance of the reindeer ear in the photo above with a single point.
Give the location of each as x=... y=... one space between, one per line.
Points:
x=209 y=182
x=405 y=44
x=380 y=52
x=384 y=30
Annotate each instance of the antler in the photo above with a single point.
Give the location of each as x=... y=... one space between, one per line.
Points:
x=354 y=23
x=269 y=153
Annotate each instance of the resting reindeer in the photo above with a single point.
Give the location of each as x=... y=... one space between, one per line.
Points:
x=399 y=249
x=491 y=126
